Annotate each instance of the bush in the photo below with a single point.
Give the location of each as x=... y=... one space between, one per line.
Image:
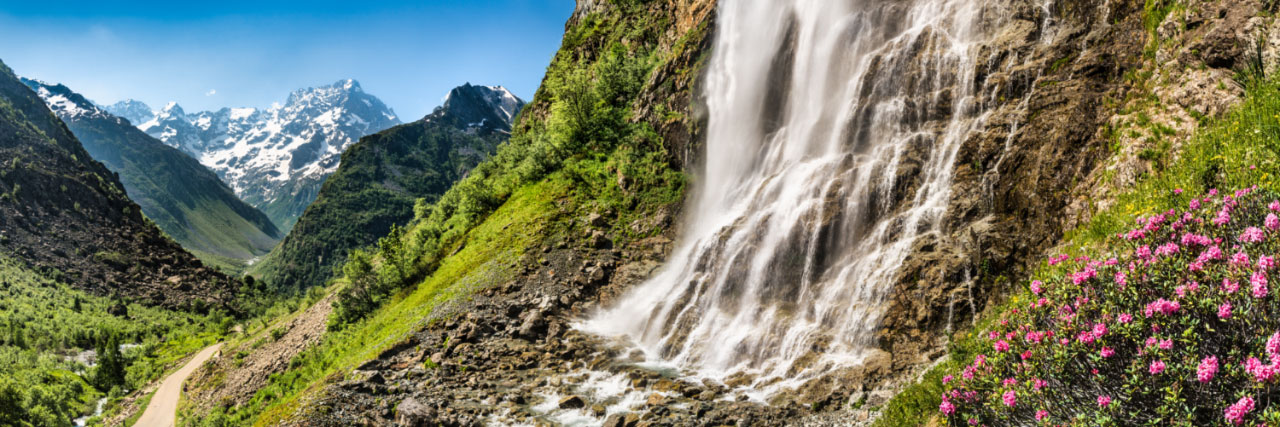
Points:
x=1176 y=325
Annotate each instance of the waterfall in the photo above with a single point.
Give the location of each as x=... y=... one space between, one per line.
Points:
x=832 y=140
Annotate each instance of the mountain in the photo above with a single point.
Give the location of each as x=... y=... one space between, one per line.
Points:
x=64 y=213
x=381 y=177
x=275 y=159
x=136 y=112
x=183 y=197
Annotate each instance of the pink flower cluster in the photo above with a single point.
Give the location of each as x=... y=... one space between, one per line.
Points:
x=1236 y=412
x=1207 y=369
x=1162 y=306
x=1079 y=327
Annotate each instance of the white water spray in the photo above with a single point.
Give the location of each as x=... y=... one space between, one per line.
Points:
x=833 y=134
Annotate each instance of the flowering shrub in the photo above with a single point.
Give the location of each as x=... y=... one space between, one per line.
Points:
x=1176 y=325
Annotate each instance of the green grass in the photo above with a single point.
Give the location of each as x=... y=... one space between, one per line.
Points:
x=1238 y=150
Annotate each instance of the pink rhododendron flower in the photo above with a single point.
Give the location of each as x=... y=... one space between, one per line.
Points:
x=1107 y=352
x=1236 y=412
x=1223 y=218
x=1166 y=344
x=1162 y=306
x=1261 y=373
x=1038 y=384
x=1035 y=287
x=1258 y=282
x=1213 y=253
x=1010 y=398
x=1104 y=401
x=1224 y=311
x=947 y=407
x=947 y=379
x=1124 y=318
x=1275 y=206
x=1121 y=279
x=1266 y=262
x=1156 y=367
x=1041 y=415
x=1273 y=346
x=1240 y=259
x=1001 y=346
x=1099 y=329
x=1252 y=235
x=1207 y=369
x=1229 y=286
x=1272 y=222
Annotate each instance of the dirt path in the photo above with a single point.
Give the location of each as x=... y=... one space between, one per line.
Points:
x=163 y=409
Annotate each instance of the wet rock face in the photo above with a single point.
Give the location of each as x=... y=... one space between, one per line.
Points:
x=1012 y=180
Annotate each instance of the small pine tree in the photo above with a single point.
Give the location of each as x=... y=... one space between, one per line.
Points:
x=111 y=363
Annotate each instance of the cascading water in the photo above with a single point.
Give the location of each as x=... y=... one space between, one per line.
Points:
x=833 y=133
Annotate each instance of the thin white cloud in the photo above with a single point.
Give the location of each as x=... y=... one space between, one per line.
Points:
x=211 y=92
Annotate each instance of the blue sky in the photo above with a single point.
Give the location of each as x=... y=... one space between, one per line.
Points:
x=208 y=55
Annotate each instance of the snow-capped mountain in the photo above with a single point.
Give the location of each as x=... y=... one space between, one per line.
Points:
x=135 y=111
x=276 y=158
x=63 y=102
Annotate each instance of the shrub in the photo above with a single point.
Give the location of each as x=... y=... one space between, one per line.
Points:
x=1176 y=325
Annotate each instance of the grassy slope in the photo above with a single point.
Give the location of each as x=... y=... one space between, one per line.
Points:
x=1239 y=150
x=376 y=186
x=183 y=197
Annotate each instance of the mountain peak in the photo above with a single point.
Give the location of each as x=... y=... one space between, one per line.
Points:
x=473 y=106
x=62 y=100
x=349 y=84
x=136 y=112
x=172 y=108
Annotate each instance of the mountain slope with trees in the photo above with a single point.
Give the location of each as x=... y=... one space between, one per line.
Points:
x=381 y=179
x=183 y=197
